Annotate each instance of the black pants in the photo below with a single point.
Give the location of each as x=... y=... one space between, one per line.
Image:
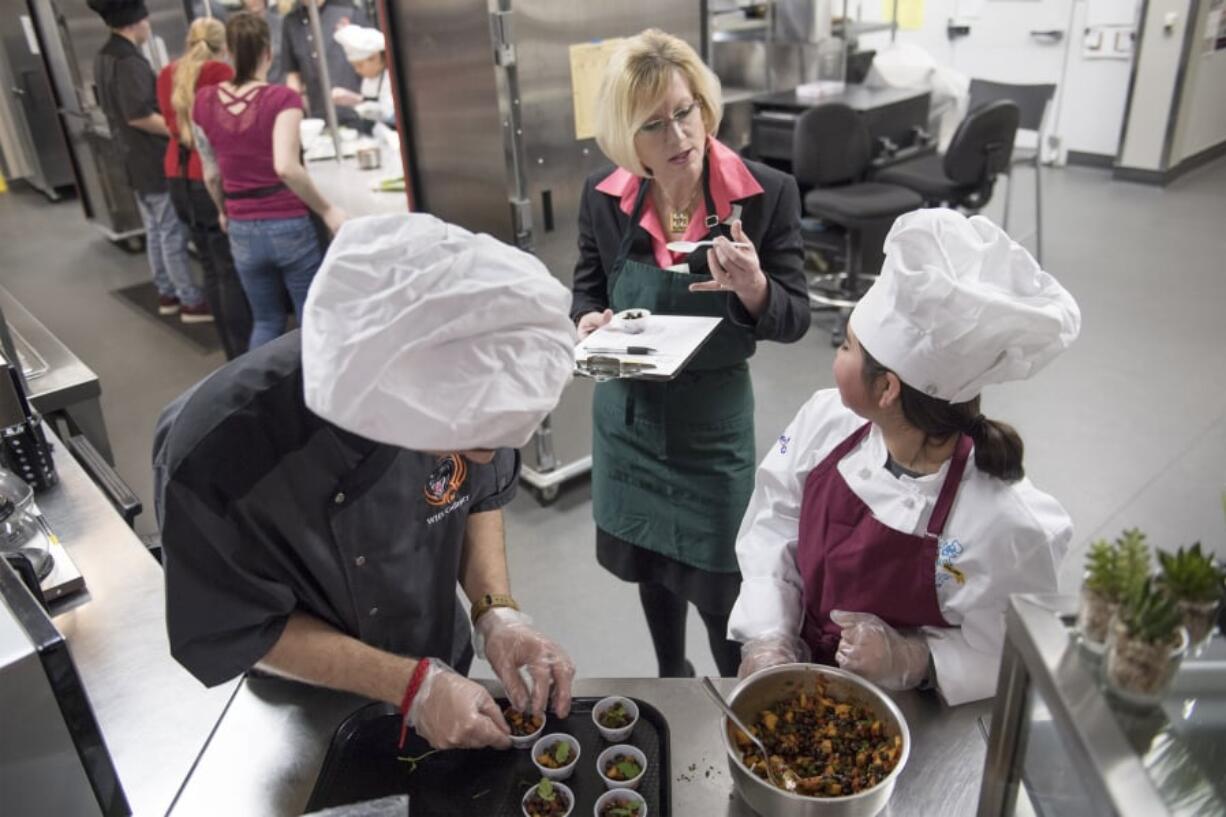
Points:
x=666 y=613
x=222 y=289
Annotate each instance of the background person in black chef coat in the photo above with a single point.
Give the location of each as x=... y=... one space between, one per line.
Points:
x=321 y=496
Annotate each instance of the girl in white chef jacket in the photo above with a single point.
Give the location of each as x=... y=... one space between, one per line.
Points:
x=891 y=521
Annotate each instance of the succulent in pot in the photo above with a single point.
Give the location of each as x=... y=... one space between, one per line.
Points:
x=1146 y=644
x=1196 y=582
x=1113 y=570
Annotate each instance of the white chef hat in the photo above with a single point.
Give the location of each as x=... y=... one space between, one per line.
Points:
x=960 y=305
x=359 y=42
x=420 y=334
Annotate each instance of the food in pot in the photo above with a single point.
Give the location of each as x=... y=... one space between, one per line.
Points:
x=624 y=807
x=622 y=768
x=826 y=748
x=523 y=724
x=557 y=755
x=546 y=800
x=615 y=717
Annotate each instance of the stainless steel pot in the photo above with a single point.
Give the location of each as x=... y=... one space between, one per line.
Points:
x=774 y=684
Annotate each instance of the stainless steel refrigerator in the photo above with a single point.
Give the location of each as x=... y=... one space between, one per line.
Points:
x=34 y=149
x=70 y=35
x=493 y=146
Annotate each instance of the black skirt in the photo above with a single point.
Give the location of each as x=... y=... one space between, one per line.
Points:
x=712 y=593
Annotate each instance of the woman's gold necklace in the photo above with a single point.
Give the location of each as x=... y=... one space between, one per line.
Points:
x=679 y=220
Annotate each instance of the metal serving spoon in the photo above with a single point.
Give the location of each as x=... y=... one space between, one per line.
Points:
x=687 y=247
x=784 y=779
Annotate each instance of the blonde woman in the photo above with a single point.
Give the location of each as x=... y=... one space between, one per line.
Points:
x=202 y=65
x=673 y=463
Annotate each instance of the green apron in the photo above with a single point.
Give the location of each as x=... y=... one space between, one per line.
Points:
x=673 y=463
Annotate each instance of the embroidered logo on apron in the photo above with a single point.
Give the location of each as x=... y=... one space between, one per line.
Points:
x=446 y=480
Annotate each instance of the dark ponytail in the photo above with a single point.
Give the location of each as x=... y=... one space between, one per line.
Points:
x=998 y=447
x=248 y=39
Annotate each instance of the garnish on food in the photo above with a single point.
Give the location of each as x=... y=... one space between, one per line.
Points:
x=546 y=800
x=622 y=768
x=615 y=717
x=557 y=756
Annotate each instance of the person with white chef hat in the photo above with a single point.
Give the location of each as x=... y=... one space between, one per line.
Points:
x=892 y=520
x=364 y=48
x=321 y=496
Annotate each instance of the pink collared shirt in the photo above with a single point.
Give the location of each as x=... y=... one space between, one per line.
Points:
x=730 y=181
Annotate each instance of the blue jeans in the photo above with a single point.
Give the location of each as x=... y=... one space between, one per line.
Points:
x=166 y=245
x=273 y=257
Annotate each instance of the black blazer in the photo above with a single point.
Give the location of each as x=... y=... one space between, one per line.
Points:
x=771 y=220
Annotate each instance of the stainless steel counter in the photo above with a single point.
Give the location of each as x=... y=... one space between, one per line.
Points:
x=269 y=747
x=154 y=716
x=349 y=187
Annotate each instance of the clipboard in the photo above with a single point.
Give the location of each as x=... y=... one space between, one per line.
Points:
x=675 y=339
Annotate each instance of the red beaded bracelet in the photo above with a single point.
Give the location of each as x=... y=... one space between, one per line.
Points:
x=410 y=692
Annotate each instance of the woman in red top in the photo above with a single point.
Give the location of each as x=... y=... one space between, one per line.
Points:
x=201 y=66
x=247 y=135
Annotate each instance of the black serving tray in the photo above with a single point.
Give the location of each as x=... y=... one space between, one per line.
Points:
x=363 y=763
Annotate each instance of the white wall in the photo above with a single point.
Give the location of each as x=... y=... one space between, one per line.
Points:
x=1202 y=109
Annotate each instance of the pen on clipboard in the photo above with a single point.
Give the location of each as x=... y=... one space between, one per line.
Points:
x=629 y=350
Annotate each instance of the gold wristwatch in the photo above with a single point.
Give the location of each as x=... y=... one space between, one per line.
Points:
x=488 y=602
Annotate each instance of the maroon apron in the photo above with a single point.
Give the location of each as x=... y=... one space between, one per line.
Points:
x=850 y=561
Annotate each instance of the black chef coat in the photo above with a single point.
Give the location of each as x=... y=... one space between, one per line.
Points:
x=266 y=508
x=127 y=90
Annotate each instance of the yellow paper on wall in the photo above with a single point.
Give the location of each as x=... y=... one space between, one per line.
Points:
x=910 y=13
x=587 y=64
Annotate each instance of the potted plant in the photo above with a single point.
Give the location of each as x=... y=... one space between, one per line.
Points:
x=1113 y=570
x=1147 y=641
x=1196 y=582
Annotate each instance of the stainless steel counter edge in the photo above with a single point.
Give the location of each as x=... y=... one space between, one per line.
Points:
x=154 y=716
x=270 y=745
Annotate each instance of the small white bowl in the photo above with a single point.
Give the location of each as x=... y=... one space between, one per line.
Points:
x=566 y=771
x=570 y=795
x=308 y=129
x=631 y=321
x=615 y=735
x=606 y=757
x=620 y=796
x=526 y=741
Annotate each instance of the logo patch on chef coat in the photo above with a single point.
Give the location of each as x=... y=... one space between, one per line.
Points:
x=446 y=480
x=948 y=553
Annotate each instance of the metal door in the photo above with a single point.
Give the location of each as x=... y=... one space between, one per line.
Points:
x=1015 y=41
x=555 y=163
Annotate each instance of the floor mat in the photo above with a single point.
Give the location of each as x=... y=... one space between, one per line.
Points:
x=144 y=296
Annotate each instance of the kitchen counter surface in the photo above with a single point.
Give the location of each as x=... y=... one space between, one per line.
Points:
x=270 y=745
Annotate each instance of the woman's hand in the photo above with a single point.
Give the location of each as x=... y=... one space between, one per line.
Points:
x=592 y=321
x=736 y=269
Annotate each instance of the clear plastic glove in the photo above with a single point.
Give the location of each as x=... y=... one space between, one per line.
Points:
x=873 y=649
x=769 y=651
x=370 y=110
x=507 y=639
x=452 y=712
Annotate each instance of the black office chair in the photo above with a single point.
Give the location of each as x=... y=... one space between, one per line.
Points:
x=831 y=150
x=1032 y=103
x=965 y=175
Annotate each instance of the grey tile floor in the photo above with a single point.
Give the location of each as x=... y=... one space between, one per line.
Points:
x=1126 y=429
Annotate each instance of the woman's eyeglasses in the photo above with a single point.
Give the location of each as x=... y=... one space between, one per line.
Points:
x=682 y=118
